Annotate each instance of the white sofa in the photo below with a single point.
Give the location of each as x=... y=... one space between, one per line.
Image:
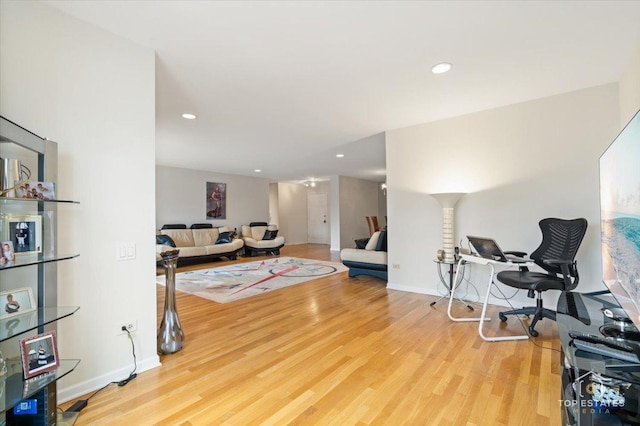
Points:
x=256 y=239
x=199 y=244
x=372 y=260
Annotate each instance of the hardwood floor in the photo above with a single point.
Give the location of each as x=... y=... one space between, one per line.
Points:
x=338 y=351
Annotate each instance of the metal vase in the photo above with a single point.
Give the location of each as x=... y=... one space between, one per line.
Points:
x=12 y=174
x=170 y=336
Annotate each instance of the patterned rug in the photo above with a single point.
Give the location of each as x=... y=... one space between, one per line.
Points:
x=232 y=282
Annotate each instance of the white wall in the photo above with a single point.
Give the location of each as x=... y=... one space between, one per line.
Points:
x=94 y=94
x=274 y=215
x=336 y=218
x=358 y=198
x=630 y=89
x=292 y=212
x=382 y=206
x=181 y=197
x=518 y=164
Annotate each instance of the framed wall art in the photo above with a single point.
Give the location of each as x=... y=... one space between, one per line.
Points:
x=216 y=200
x=25 y=232
x=39 y=354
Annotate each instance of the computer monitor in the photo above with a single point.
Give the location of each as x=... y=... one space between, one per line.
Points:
x=620 y=218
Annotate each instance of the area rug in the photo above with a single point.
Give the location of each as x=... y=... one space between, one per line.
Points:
x=232 y=282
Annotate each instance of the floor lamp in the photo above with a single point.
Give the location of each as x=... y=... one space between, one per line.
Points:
x=448 y=201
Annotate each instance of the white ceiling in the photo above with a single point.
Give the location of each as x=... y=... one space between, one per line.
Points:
x=284 y=86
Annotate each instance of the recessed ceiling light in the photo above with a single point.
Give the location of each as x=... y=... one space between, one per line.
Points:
x=257 y=170
x=339 y=155
x=441 y=68
x=188 y=116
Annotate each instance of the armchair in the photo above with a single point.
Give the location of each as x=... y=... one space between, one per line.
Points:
x=556 y=255
x=261 y=237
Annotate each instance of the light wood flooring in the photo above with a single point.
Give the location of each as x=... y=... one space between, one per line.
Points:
x=338 y=351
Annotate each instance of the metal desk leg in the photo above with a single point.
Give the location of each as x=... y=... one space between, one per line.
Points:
x=452 y=283
x=484 y=311
x=452 y=296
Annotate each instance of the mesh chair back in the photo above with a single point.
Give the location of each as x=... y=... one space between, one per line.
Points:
x=560 y=240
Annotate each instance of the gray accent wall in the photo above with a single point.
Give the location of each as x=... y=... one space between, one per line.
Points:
x=181 y=198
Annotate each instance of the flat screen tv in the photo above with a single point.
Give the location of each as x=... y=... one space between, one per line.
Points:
x=620 y=218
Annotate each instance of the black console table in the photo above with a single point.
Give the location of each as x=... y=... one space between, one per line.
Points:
x=585 y=375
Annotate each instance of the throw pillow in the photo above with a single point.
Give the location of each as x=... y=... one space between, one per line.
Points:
x=373 y=241
x=382 y=241
x=270 y=234
x=165 y=240
x=223 y=238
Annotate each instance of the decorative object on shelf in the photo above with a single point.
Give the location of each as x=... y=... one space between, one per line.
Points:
x=39 y=354
x=3 y=367
x=7 y=254
x=170 y=336
x=25 y=232
x=216 y=200
x=17 y=301
x=38 y=190
x=448 y=202
x=12 y=174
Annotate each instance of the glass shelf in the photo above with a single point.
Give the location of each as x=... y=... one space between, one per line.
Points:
x=37 y=259
x=6 y=200
x=19 y=324
x=16 y=388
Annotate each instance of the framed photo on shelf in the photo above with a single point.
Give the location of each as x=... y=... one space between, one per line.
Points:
x=38 y=190
x=7 y=254
x=25 y=232
x=39 y=354
x=16 y=302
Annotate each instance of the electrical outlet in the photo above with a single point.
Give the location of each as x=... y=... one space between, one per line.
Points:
x=131 y=326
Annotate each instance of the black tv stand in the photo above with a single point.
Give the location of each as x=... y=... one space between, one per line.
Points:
x=585 y=374
x=616 y=333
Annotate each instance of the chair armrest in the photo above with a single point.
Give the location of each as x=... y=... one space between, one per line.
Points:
x=569 y=269
x=516 y=253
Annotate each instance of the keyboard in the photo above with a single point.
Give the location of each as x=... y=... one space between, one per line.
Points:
x=604 y=346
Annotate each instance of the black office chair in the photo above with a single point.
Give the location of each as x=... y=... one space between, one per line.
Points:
x=556 y=255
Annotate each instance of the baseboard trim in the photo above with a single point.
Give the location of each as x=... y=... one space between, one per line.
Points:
x=419 y=290
x=93 y=384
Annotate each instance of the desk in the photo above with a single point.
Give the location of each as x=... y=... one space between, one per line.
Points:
x=490 y=263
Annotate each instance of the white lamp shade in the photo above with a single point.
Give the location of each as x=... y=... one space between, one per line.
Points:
x=448 y=199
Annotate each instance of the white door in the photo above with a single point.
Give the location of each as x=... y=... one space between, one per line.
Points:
x=318 y=220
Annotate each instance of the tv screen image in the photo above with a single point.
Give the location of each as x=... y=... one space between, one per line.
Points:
x=620 y=218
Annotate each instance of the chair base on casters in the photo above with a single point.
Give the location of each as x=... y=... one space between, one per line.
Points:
x=538 y=312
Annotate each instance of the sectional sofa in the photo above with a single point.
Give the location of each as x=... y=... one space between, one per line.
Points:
x=371 y=260
x=200 y=243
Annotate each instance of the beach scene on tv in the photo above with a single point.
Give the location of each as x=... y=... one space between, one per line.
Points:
x=620 y=212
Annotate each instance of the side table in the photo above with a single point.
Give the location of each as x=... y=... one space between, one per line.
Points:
x=449 y=284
